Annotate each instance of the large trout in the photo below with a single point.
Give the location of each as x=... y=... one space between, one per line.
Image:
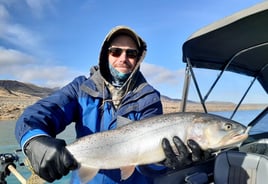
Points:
x=139 y=142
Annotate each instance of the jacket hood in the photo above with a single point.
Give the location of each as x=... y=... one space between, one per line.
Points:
x=116 y=31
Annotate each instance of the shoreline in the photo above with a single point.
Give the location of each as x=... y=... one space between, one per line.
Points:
x=211 y=107
x=11 y=108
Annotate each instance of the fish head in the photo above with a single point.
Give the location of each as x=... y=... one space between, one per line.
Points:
x=216 y=132
x=223 y=135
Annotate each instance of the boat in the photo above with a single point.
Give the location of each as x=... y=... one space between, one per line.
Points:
x=237 y=44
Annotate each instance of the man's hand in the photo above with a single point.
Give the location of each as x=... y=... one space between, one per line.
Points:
x=49 y=157
x=197 y=153
x=183 y=157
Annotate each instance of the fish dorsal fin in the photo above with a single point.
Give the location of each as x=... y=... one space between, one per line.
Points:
x=121 y=121
x=87 y=173
x=126 y=172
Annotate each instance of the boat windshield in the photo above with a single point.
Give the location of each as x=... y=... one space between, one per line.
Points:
x=238 y=61
x=234 y=96
x=259 y=124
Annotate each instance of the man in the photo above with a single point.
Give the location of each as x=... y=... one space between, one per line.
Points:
x=115 y=87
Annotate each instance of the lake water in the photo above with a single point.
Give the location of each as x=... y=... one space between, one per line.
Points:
x=8 y=144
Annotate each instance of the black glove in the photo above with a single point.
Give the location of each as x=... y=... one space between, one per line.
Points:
x=49 y=157
x=197 y=153
x=183 y=157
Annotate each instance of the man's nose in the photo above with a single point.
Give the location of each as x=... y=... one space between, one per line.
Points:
x=123 y=57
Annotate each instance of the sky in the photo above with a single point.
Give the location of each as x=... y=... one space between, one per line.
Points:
x=50 y=42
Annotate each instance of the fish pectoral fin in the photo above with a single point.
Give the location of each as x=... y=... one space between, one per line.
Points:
x=87 y=173
x=122 y=121
x=126 y=172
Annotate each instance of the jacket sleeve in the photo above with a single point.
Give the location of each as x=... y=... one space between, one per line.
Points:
x=50 y=115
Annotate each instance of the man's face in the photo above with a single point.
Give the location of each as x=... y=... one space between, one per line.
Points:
x=123 y=54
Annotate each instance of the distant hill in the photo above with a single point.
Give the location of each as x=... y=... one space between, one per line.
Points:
x=12 y=87
x=168 y=99
x=15 y=96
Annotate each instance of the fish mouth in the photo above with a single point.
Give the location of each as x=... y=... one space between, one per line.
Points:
x=236 y=138
x=241 y=136
x=232 y=140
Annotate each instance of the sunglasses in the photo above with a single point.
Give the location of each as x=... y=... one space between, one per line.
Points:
x=116 y=52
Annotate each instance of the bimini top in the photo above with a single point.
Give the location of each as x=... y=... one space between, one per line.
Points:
x=237 y=43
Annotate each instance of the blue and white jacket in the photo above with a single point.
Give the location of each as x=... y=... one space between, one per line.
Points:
x=87 y=102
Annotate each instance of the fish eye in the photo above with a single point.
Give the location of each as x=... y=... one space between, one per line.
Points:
x=228 y=126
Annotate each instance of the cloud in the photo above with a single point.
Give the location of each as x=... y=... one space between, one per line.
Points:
x=168 y=82
x=49 y=75
x=14 y=34
x=40 y=8
x=43 y=75
x=23 y=55
x=26 y=68
x=20 y=36
x=157 y=74
x=10 y=57
x=4 y=15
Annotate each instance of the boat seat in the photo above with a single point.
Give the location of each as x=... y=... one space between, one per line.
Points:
x=259 y=146
x=234 y=167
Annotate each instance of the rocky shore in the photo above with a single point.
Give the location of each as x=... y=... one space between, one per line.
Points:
x=15 y=96
x=11 y=107
x=196 y=107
